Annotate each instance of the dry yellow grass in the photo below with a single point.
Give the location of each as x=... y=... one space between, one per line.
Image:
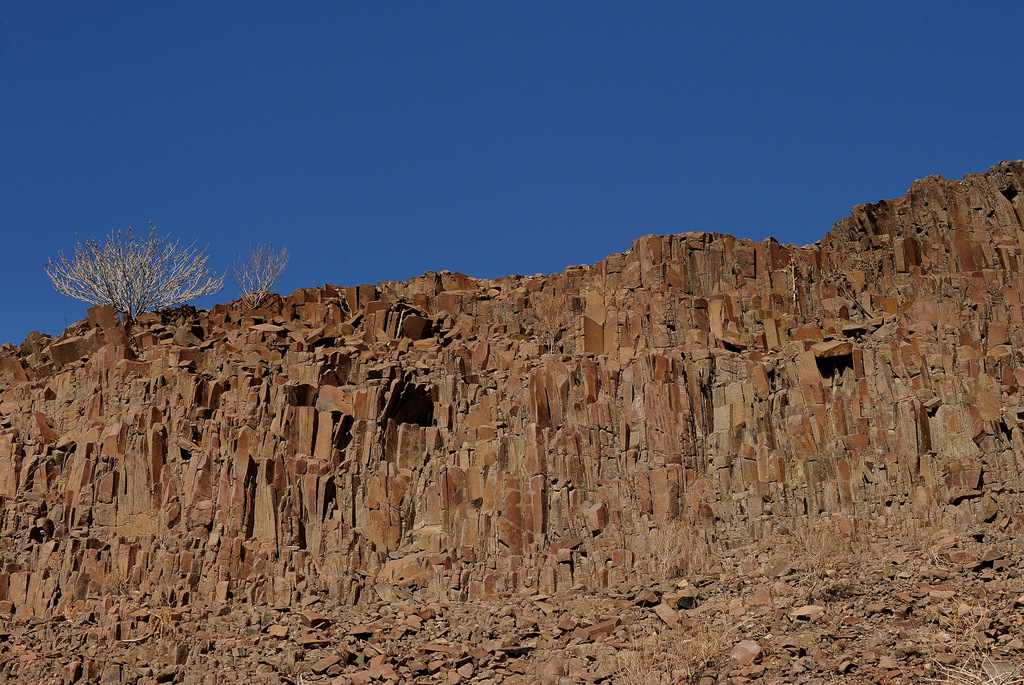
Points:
x=671 y=656
x=979 y=672
x=670 y=549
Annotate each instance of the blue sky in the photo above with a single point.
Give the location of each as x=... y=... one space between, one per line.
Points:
x=381 y=140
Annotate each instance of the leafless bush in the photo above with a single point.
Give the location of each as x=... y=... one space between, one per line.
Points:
x=258 y=270
x=134 y=275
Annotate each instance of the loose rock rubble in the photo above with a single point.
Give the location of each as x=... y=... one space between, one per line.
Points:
x=703 y=460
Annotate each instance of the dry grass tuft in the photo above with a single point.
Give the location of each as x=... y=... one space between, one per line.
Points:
x=823 y=545
x=672 y=656
x=964 y=624
x=986 y=673
x=678 y=551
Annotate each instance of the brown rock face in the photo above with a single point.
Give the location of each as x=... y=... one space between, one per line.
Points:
x=458 y=439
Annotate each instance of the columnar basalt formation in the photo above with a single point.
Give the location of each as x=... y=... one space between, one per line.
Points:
x=460 y=438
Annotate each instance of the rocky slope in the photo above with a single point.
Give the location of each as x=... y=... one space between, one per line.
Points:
x=805 y=461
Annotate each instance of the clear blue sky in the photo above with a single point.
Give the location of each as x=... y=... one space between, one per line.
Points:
x=379 y=140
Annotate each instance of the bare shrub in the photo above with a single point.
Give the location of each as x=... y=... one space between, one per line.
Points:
x=257 y=271
x=550 y=312
x=134 y=275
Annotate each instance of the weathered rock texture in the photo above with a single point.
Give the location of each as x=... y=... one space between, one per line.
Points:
x=460 y=438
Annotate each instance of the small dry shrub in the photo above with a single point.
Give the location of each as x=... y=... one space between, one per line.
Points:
x=822 y=546
x=981 y=673
x=672 y=656
x=677 y=550
x=816 y=552
x=965 y=625
x=115 y=584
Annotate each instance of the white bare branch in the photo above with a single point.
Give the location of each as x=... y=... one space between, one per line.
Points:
x=133 y=275
x=257 y=271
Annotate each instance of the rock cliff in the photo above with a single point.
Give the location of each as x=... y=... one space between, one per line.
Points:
x=454 y=439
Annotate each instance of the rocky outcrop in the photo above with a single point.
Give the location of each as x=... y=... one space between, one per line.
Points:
x=462 y=439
